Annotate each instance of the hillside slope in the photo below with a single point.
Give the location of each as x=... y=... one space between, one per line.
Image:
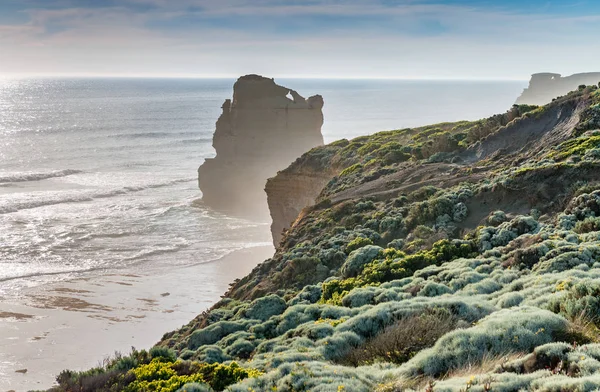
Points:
x=453 y=257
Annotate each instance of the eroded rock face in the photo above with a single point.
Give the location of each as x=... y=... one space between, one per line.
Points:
x=290 y=192
x=543 y=87
x=264 y=129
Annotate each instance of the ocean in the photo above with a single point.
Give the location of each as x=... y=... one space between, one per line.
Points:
x=99 y=175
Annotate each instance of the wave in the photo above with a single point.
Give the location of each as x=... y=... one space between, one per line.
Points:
x=25 y=177
x=83 y=197
x=155 y=251
x=192 y=141
x=139 y=135
x=50 y=273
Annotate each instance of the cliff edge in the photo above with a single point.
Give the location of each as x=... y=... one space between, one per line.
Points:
x=262 y=130
x=543 y=87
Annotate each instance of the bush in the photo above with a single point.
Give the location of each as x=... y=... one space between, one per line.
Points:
x=266 y=307
x=581 y=300
x=163 y=353
x=395 y=265
x=358 y=259
x=93 y=380
x=509 y=330
x=588 y=225
x=211 y=354
x=496 y=218
x=215 y=332
x=195 y=387
x=357 y=243
x=309 y=295
x=401 y=341
x=159 y=376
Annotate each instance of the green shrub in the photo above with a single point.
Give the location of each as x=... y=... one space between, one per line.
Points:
x=576 y=146
x=164 y=353
x=588 y=225
x=581 y=300
x=357 y=243
x=215 y=332
x=351 y=170
x=401 y=341
x=265 y=307
x=509 y=330
x=195 y=387
x=159 y=376
x=394 y=265
x=358 y=259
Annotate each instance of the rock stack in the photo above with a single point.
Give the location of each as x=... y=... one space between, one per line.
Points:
x=261 y=131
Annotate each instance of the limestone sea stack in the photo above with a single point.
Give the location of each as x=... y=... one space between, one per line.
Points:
x=543 y=87
x=261 y=131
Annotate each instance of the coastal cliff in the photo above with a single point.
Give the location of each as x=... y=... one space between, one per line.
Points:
x=543 y=87
x=451 y=257
x=262 y=130
x=290 y=192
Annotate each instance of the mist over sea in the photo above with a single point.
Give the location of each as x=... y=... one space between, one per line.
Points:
x=99 y=175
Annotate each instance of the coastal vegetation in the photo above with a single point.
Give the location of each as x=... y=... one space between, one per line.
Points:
x=455 y=257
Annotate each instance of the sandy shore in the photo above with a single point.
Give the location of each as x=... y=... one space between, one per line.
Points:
x=75 y=324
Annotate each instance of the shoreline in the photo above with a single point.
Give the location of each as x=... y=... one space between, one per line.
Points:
x=75 y=324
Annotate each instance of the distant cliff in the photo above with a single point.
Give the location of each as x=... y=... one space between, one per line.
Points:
x=543 y=87
x=263 y=130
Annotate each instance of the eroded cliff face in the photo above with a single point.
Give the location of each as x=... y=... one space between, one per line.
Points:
x=290 y=192
x=262 y=130
x=543 y=87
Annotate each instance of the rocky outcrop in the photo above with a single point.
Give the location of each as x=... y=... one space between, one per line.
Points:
x=261 y=131
x=543 y=87
x=290 y=192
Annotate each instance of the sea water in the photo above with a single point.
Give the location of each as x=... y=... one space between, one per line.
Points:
x=99 y=175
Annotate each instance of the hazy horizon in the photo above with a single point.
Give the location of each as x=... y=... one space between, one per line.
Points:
x=274 y=76
x=397 y=39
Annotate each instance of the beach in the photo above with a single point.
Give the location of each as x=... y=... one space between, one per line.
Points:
x=76 y=323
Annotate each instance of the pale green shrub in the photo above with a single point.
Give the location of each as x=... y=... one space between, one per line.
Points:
x=505 y=331
x=580 y=300
x=496 y=218
x=240 y=348
x=510 y=300
x=562 y=383
x=358 y=259
x=432 y=289
x=195 y=387
x=308 y=295
x=266 y=307
x=212 y=354
x=216 y=332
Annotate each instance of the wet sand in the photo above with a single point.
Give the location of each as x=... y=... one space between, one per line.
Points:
x=76 y=324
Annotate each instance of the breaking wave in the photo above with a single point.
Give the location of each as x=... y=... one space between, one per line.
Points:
x=14 y=206
x=25 y=177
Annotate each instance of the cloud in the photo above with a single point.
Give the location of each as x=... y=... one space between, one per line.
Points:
x=318 y=37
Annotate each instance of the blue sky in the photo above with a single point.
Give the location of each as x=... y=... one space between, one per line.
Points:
x=456 y=39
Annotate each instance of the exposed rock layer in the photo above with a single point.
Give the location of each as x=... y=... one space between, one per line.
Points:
x=290 y=192
x=543 y=87
x=261 y=131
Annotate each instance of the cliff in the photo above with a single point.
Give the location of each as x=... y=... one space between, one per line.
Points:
x=261 y=131
x=451 y=257
x=290 y=192
x=543 y=87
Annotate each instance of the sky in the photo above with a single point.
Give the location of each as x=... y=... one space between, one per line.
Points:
x=406 y=39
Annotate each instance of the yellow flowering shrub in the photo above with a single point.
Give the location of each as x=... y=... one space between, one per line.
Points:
x=164 y=376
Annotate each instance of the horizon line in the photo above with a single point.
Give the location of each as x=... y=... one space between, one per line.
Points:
x=229 y=76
